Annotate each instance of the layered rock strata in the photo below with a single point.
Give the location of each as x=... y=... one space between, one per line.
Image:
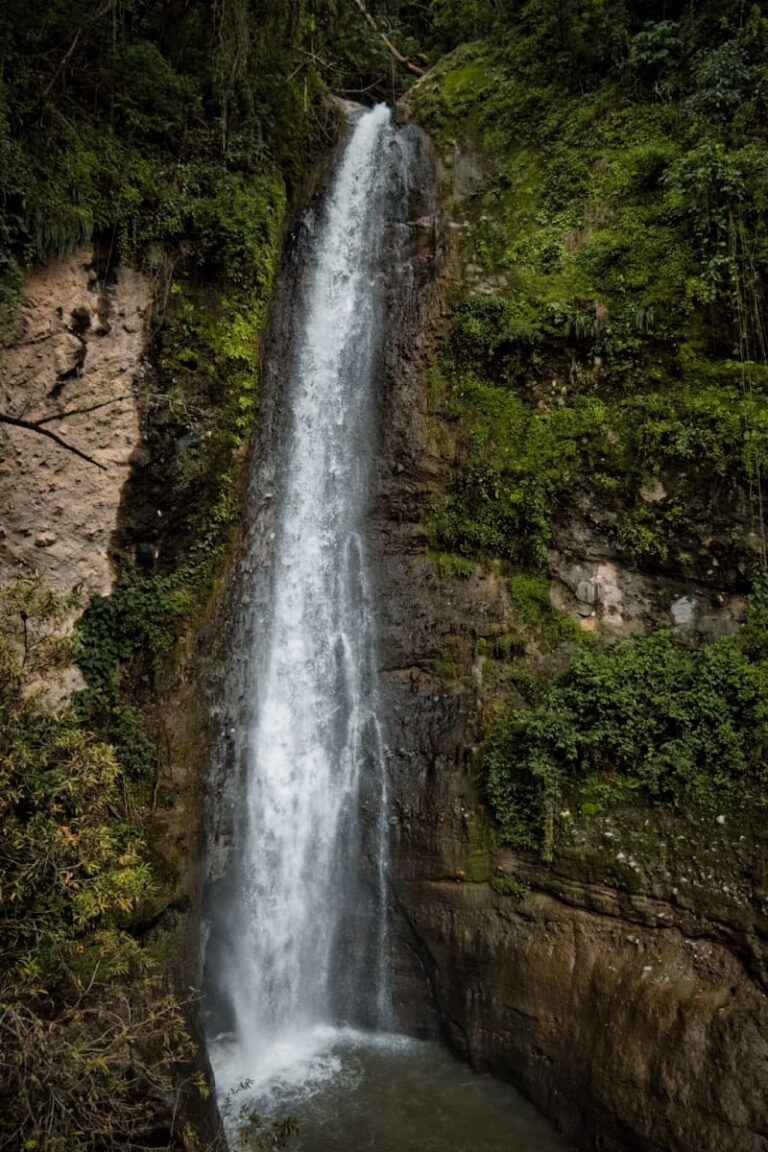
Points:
x=623 y=986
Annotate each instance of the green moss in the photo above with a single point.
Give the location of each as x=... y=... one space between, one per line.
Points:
x=532 y=607
x=625 y=241
x=447 y=565
x=505 y=885
x=480 y=847
x=516 y=462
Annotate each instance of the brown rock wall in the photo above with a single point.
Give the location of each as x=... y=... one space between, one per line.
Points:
x=622 y=986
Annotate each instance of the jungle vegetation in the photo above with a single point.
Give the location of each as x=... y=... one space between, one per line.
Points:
x=614 y=333
x=605 y=362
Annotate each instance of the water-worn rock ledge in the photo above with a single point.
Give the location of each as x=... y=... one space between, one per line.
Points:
x=623 y=986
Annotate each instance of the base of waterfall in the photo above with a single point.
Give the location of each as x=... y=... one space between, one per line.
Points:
x=346 y=1089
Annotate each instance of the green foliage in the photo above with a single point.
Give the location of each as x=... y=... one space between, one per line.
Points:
x=646 y=719
x=456 y=21
x=151 y=101
x=507 y=885
x=516 y=461
x=533 y=611
x=140 y=618
x=492 y=336
x=622 y=231
x=90 y=1041
x=132 y=128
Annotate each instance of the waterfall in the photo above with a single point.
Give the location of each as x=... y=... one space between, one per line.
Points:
x=295 y=965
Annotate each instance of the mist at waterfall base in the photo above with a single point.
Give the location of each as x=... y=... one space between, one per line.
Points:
x=299 y=1020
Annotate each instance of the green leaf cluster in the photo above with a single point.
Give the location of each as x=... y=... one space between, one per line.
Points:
x=648 y=721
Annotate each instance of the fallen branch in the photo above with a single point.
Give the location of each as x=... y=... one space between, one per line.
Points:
x=391 y=48
x=41 y=430
x=39 y=426
x=80 y=411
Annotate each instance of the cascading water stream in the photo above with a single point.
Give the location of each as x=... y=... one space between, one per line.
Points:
x=299 y=1015
x=313 y=725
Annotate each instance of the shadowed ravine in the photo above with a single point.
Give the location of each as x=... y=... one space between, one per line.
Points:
x=298 y=962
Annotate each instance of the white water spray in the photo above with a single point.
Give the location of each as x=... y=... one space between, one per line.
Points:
x=313 y=729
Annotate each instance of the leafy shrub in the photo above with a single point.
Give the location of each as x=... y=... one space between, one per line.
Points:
x=722 y=79
x=653 y=719
x=92 y=1047
x=490 y=334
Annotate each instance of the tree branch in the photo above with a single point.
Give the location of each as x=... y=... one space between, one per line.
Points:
x=63 y=64
x=391 y=48
x=79 y=411
x=31 y=426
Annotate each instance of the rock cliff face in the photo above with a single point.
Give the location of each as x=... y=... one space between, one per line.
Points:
x=71 y=362
x=622 y=986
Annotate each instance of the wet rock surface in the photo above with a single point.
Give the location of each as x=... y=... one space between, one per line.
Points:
x=622 y=986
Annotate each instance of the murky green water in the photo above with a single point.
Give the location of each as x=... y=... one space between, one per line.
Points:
x=392 y=1094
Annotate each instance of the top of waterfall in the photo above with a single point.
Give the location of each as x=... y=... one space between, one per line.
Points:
x=352 y=109
x=347 y=107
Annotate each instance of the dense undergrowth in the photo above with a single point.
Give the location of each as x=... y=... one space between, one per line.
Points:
x=93 y=1042
x=605 y=362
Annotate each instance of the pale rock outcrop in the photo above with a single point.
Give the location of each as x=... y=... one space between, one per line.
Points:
x=76 y=349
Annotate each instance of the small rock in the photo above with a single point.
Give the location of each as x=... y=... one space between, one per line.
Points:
x=68 y=355
x=587 y=592
x=653 y=491
x=683 y=610
x=720 y=819
x=45 y=539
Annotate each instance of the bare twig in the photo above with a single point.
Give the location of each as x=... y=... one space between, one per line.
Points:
x=62 y=65
x=391 y=48
x=81 y=411
x=41 y=430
